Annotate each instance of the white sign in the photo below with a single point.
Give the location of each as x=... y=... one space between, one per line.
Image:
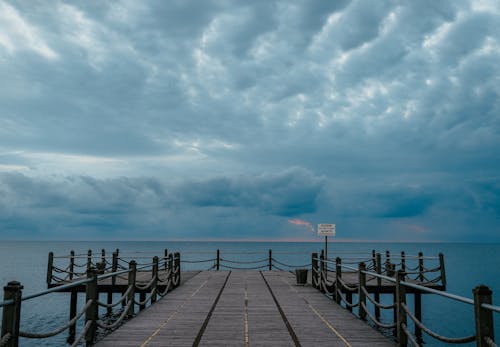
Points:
x=326 y=229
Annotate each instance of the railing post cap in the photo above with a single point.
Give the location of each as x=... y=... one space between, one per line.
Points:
x=133 y=262
x=13 y=286
x=482 y=290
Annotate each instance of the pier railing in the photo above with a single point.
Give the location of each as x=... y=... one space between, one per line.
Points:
x=403 y=282
x=232 y=261
x=95 y=276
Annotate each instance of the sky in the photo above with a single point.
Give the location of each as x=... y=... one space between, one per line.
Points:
x=250 y=120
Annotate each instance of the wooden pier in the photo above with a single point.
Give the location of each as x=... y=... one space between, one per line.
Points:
x=245 y=302
x=245 y=308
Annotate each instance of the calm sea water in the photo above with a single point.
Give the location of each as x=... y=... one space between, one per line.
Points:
x=467 y=265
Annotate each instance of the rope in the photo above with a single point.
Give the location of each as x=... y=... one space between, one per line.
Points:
x=145 y=286
x=58 y=330
x=490 y=342
x=244 y=268
x=373 y=301
x=176 y=279
x=409 y=335
x=284 y=264
x=348 y=288
x=79 y=265
x=102 y=325
x=281 y=269
x=345 y=300
x=436 y=269
x=374 y=320
x=82 y=333
x=197 y=261
x=5 y=339
x=244 y=262
x=167 y=288
x=167 y=276
x=435 y=335
x=145 y=301
x=123 y=297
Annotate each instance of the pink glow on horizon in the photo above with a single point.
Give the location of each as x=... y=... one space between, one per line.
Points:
x=298 y=221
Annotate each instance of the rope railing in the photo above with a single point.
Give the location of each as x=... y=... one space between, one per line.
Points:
x=120 y=319
x=490 y=342
x=5 y=339
x=376 y=303
x=58 y=330
x=409 y=335
x=242 y=261
x=13 y=296
x=83 y=333
x=345 y=301
x=198 y=261
x=119 y=301
x=388 y=275
x=290 y=265
x=455 y=340
x=147 y=299
x=375 y=320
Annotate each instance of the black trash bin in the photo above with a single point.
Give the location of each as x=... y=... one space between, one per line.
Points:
x=301 y=276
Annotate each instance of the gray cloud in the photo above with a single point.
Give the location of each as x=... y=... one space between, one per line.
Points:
x=239 y=112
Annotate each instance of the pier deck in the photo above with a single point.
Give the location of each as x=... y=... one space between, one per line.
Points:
x=245 y=308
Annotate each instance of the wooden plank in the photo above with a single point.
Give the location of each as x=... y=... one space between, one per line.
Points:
x=245 y=315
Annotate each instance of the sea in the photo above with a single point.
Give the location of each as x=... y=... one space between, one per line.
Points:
x=467 y=265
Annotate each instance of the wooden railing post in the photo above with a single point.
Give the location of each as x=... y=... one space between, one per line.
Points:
x=155 y=279
x=11 y=314
x=92 y=311
x=338 y=276
x=50 y=266
x=401 y=316
x=387 y=259
x=103 y=256
x=270 y=259
x=171 y=265
x=71 y=264
x=420 y=266
x=322 y=284
x=379 y=284
x=483 y=318
x=403 y=261
x=165 y=257
x=361 y=293
x=217 y=261
x=114 y=267
x=314 y=272
x=73 y=301
x=177 y=265
x=443 y=270
x=132 y=266
x=374 y=259
x=89 y=259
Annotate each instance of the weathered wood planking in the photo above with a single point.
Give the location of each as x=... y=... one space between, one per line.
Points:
x=245 y=314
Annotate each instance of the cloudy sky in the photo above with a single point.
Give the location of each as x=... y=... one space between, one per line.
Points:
x=240 y=119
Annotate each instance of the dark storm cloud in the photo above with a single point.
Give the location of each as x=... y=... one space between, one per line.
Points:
x=64 y=205
x=248 y=113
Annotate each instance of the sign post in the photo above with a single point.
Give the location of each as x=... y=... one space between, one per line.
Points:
x=326 y=230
